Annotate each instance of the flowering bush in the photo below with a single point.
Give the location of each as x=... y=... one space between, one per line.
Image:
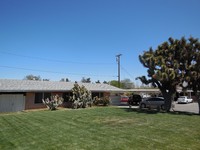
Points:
x=53 y=102
x=101 y=101
x=81 y=97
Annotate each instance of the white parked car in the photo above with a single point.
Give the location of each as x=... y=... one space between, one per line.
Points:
x=184 y=99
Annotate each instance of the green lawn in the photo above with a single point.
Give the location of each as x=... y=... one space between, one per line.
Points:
x=99 y=128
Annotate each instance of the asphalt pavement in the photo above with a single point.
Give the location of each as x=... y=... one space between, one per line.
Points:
x=190 y=107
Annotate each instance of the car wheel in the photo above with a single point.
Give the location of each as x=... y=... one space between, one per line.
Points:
x=142 y=105
x=162 y=107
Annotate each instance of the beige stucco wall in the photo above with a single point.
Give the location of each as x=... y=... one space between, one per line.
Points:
x=30 y=102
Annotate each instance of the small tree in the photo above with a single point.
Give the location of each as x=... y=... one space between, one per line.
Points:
x=114 y=83
x=105 y=82
x=127 y=84
x=86 y=80
x=81 y=97
x=53 y=102
x=64 y=80
x=32 y=77
x=97 y=82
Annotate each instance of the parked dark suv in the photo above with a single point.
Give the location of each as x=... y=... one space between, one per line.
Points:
x=134 y=99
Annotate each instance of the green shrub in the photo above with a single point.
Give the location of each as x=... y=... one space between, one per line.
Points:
x=53 y=102
x=101 y=101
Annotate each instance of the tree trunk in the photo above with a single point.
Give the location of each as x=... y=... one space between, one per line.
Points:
x=198 y=99
x=168 y=97
x=199 y=105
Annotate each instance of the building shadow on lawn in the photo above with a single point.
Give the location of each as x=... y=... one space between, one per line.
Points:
x=155 y=111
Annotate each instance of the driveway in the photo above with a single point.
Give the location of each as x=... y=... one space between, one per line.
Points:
x=191 y=107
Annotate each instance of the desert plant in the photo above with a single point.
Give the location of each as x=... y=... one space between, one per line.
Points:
x=171 y=64
x=81 y=97
x=53 y=102
x=101 y=101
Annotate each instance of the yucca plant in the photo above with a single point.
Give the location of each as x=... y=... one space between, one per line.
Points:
x=81 y=97
x=53 y=102
x=170 y=64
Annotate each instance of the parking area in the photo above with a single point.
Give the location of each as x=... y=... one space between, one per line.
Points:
x=190 y=107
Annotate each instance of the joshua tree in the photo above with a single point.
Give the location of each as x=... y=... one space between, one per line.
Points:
x=170 y=64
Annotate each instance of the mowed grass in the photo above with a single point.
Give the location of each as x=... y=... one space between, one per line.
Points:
x=108 y=128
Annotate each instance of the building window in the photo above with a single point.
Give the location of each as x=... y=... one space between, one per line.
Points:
x=40 y=96
x=97 y=94
x=66 y=96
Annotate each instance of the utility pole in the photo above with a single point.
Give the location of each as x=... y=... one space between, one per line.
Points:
x=118 y=61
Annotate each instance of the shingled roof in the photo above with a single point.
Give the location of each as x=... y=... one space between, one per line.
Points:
x=9 y=85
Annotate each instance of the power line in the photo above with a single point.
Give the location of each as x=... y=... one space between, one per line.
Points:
x=58 y=61
x=127 y=72
x=55 y=72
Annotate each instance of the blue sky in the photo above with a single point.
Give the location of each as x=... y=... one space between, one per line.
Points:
x=80 y=38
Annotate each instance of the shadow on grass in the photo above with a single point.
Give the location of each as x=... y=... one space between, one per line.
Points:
x=182 y=113
x=155 y=111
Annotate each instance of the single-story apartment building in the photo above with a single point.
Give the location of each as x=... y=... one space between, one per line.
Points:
x=18 y=95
